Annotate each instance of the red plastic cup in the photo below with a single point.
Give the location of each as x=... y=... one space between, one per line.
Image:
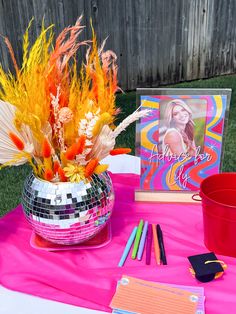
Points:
x=218 y=194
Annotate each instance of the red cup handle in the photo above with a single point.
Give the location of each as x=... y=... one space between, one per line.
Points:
x=196 y=197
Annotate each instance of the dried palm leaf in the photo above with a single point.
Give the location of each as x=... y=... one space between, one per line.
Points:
x=8 y=150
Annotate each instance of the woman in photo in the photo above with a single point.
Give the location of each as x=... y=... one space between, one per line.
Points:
x=179 y=136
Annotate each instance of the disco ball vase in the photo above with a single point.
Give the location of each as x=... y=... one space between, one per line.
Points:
x=68 y=213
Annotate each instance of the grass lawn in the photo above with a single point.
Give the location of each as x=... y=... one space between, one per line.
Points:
x=11 y=179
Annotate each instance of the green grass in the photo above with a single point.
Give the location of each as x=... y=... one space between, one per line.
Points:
x=11 y=183
x=11 y=179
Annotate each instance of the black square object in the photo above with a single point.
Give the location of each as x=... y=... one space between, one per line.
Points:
x=205 y=272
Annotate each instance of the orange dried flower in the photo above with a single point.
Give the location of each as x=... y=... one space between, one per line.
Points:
x=62 y=174
x=71 y=152
x=17 y=141
x=118 y=151
x=48 y=174
x=46 y=148
x=90 y=167
x=81 y=144
x=76 y=148
x=56 y=166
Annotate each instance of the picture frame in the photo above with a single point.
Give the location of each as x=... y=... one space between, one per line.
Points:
x=181 y=141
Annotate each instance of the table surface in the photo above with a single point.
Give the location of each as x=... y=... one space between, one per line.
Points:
x=20 y=303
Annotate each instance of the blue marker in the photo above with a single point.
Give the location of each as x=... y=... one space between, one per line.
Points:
x=128 y=247
x=142 y=241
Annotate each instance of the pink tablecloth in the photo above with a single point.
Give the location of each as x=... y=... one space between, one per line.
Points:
x=88 y=278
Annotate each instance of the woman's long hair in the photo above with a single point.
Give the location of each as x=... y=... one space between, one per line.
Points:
x=188 y=133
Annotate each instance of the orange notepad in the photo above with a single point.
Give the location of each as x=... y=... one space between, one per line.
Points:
x=140 y=296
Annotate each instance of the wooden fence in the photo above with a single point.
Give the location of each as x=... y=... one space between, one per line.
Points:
x=157 y=41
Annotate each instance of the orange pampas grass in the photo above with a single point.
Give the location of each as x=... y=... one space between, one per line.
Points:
x=17 y=141
x=56 y=166
x=76 y=148
x=62 y=174
x=71 y=152
x=81 y=144
x=118 y=151
x=48 y=174
x=9 y=46
x=46 y=148
x=66 y=46
x=90 y=167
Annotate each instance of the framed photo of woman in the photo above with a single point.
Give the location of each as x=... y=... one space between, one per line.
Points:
x=181 y=142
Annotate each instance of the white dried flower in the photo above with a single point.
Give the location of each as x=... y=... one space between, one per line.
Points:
x=89 y=115
x=86 y=125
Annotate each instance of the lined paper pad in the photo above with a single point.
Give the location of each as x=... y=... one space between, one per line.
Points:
x=139 y=296
x=195 y=290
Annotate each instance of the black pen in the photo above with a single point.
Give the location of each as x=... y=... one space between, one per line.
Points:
x=161 y=245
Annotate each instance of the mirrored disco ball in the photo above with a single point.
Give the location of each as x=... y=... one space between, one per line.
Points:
x=68 y=213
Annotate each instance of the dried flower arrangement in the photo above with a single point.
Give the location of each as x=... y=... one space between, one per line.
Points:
x=55 y=116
